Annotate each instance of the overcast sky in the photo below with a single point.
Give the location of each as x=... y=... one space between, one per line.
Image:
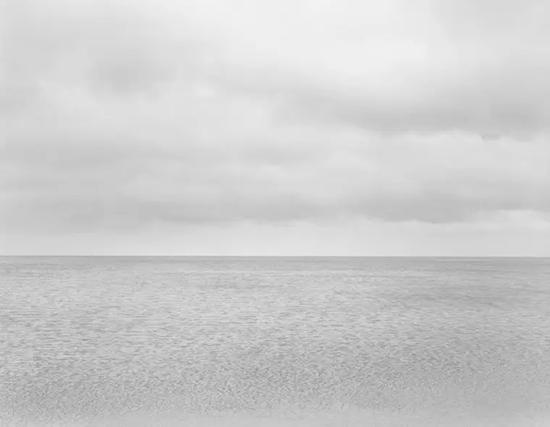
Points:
x=395 y=127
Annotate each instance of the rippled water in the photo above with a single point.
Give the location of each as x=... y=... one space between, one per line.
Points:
x=274 y=341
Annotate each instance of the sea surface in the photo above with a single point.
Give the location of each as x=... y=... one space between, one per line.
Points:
x=239 y=341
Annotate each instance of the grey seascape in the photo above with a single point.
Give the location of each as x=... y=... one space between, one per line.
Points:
x=282 y=341
x=274 y=213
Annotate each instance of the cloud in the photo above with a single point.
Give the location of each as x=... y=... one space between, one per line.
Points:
x=119 y=115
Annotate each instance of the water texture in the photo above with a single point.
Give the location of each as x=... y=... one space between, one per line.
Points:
x=274 y=341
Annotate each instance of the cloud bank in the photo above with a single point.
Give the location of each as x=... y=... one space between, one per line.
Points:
x=121 y=116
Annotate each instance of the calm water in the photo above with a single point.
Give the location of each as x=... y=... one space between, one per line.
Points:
x=274 y=341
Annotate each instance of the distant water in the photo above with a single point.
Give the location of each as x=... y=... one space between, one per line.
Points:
x=274 y=341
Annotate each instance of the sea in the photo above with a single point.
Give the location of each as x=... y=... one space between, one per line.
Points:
x=274 y=341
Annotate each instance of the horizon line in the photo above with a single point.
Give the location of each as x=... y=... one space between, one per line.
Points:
x=261 y=256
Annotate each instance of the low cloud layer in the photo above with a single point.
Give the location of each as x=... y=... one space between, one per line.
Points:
x=118 y=116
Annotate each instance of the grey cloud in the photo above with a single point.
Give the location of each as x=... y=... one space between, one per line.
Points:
x=232 y=130
x=131 y=188
x=507 y=96
x=490 y=85
x=474 y=66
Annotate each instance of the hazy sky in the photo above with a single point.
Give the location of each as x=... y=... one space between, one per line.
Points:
x=395 y=127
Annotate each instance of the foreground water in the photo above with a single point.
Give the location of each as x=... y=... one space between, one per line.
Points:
x=274 y=341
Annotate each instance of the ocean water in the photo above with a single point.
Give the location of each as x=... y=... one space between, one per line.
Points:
x=274 y=341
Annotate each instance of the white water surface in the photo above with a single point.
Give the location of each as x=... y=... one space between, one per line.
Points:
x=274 y=341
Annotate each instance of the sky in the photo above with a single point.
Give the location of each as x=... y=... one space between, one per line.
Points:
x=288 y=127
